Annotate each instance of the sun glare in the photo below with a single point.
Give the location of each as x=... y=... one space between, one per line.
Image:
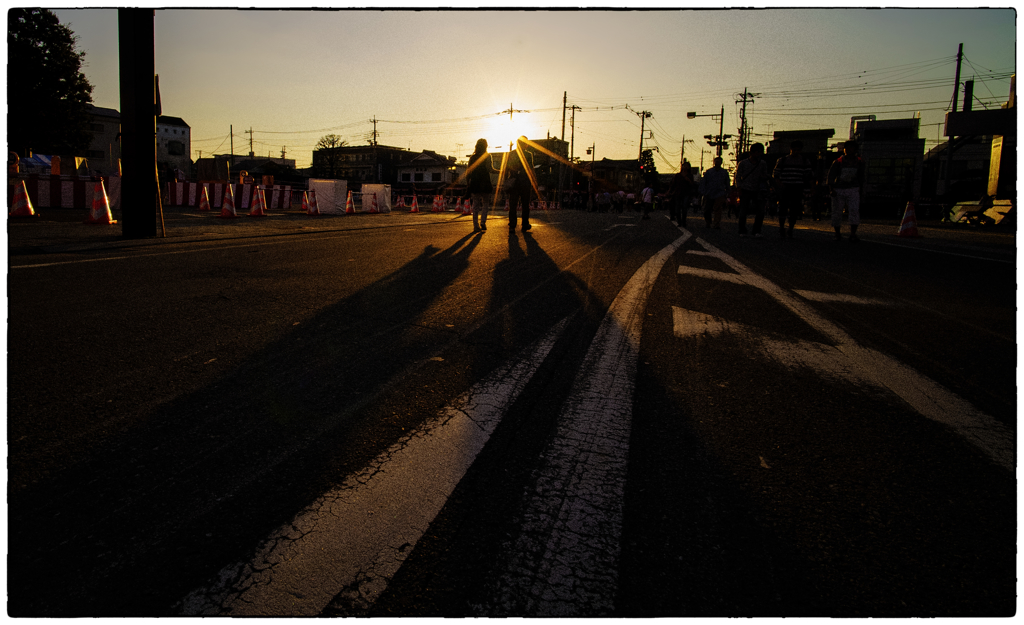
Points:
x=502 y=132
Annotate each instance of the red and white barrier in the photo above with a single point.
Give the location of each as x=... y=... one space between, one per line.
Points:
x=190 y=193
x=65 y=192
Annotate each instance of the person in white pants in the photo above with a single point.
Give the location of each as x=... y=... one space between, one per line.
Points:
x=845 y=179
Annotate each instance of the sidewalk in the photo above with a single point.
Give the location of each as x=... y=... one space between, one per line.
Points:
x=57 y=230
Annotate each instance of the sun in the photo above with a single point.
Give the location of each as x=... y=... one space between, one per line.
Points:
x=503 y=131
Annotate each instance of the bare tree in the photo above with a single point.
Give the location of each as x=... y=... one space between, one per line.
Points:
x=326 y=158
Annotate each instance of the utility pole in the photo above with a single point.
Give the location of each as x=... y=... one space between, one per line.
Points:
x=643 y=115
x=232 y=132
x=249 y=132
x=140 y=188
x=565 y=96
x=374 y=120
x=744 y=130
x=949 y=142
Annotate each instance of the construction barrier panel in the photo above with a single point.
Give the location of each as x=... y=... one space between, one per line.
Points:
x=330 y=195
x=383 y=194
x=66 y=191
x=190 y=193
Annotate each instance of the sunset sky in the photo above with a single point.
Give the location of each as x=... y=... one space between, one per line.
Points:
x=439 y=80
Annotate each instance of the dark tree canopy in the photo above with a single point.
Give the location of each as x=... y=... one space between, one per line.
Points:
x=326 y=159
x=47 y=93
x=647 y=166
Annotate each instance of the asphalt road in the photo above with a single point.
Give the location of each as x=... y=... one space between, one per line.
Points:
x=605 y=416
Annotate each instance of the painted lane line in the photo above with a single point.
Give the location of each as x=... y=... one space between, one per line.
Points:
x=353 y=539
x=817 y=296
x=710 y=274
x=565 y=560
x=925 y=396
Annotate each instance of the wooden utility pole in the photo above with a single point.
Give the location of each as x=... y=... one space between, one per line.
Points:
x=949 y=141
x=140 y=186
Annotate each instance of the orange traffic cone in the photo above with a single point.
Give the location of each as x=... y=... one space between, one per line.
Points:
x=349 y=206
x=314 y=207
x=305 y=203
x=100 y=213
x=22 y=204
x=467 y=207
x=227 y=207
x=415 y=205
x=401 y=201
x=373 y=206
x=259 y=204
x=909 y=226
x=204 y=200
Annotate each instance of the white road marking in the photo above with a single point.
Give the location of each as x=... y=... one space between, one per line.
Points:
x=817 y=296
x=924 y=395
x=565 y=560
x=355 y=538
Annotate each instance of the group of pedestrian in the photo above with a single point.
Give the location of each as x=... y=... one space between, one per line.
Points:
x=792 y=180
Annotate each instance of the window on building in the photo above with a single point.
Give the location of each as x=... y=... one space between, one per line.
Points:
x=175 y=148
x=405 y=177
x=435 y=176
x=419 y=177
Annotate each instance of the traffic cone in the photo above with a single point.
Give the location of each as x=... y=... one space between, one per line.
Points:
x=373 y=205
x=259 y=204
x=305 y=203
x=909 y=226
x=313 y=207
x=227 y=207
x=204 y=200
x=100 y=213
x=467 y=207
x=349 y=206
x=22 y=204
x=415 y=205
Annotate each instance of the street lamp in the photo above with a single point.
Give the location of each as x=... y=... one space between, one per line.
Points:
x=714 y=141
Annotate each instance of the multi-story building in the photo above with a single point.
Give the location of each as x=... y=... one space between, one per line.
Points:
x=104 y=151
x=361 y=163
x=173 y=146
x=893 y=154
x=425 y=172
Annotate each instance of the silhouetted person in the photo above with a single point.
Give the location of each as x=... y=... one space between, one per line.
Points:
x=752 y=179
x=845 y=179
x=793 y=175
x=714 y=187
x=480 y=187
x=518 y=186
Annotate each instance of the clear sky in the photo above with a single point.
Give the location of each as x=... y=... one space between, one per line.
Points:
x=439 y=80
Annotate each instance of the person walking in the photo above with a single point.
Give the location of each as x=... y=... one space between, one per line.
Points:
x=752 y=180
x=845 y=179
x=480 y=187
x=647 y=201
x=714 y=187
x=793 y=175
x=518 y=186
x=679 y=194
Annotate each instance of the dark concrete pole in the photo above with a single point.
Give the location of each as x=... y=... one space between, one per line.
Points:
x=137 y=61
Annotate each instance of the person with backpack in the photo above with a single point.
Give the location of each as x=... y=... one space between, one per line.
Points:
x=793 y=175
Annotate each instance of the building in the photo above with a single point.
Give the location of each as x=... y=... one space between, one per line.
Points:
x=893 y=155
x=815 y=141
x=1001 y=123
x=357 y=164
x=968 y=172
x=173 y=146
x=610 y=175
x=425 y=172
x=104 y=151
